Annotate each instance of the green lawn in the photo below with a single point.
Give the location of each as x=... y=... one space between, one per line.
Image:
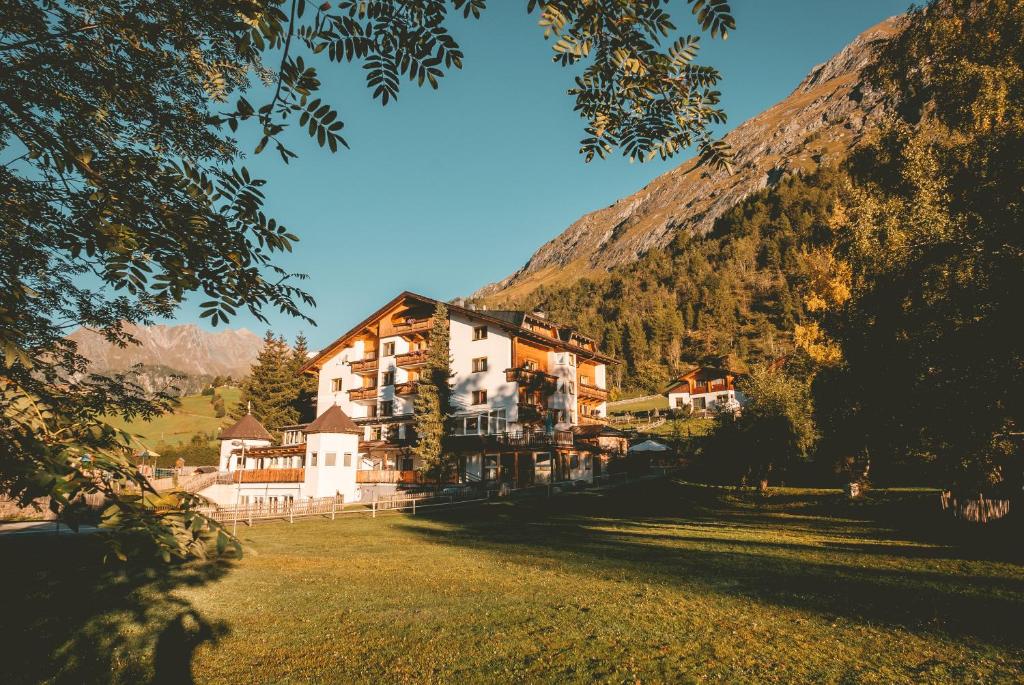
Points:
x=622 y=406
x=194 y=415
x=658 y=581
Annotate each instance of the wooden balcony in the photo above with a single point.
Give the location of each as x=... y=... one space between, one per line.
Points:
x=387 y=476
x=537 y=438
x=592 y=391
x=411 y=359
x=410 y=326
x=366 y=364
x=267 y=476
x=363 y=394
x=532 y=379
x=592 y=420
x=531 y=413
x=408 y=388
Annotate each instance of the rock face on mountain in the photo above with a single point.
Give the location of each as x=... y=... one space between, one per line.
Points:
x=186 y=349
x=819 y=121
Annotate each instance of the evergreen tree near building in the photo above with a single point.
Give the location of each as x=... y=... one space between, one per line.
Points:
x=305 y=385
x=269 y=392
x=432 y=404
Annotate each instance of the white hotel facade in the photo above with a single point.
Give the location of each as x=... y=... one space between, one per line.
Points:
x=528 y=399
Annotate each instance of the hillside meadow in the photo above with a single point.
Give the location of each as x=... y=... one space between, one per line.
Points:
x=658 y=581
x=194 y=415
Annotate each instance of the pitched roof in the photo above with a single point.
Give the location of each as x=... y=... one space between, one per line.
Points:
x=512 y=320
x=590 y=431
x=334 y=420
x=247 y=428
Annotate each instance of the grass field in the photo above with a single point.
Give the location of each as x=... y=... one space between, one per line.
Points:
x=658 y=581
x=194 y=415
x=622 y=406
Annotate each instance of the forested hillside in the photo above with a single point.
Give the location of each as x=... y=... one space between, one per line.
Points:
x=732 y=292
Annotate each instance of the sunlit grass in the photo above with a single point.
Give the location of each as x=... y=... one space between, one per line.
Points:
x=653 y=582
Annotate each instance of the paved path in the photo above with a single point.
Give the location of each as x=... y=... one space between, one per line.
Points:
x=43 y=528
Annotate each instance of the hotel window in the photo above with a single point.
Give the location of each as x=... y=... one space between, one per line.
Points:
x=375 y=433
x=387 y=408
x=498 y=421
x=480 y=333
x=584 y=380
x=348 y=459
x=479 y=397
x=389 y=349
x=335 y=385
x=312 y=459
x=371 y=412
x=330 y=458
x=479 y=364
x=530 y=365
x=387 y=378
x=680 y=403
x=472 y=425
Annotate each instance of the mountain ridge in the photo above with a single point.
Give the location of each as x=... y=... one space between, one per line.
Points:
x=183 y=348
x=824 y=116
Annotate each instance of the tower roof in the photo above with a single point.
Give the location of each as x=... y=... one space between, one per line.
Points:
x=247 y=428
x=334 y=420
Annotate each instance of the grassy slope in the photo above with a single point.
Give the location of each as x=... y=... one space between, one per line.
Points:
x=622 y=406
x=654 y=582
x=194 y=415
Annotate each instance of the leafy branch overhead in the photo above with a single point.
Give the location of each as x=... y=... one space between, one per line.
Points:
x=636 y=94
x=123 y=192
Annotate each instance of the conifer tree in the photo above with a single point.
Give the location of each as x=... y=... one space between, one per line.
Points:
x=304 y=385
x=269 y=391
x=433 y=399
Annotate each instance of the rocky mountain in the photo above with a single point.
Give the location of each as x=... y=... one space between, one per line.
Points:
x=819 y=121
x=165 y=350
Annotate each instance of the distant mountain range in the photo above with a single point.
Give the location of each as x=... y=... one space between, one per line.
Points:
x=820 y=121
x=184 y=350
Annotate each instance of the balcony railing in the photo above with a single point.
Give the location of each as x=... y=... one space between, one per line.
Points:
x=367 y=363
x=588 y=390
x=387 y=476
x=414 y=358
x=408 y=388
x=363 y=393
x=532 y=378
x=411 y=326
x=263 y=476
x=592 y=420
x=537 y=438
x=529 y=412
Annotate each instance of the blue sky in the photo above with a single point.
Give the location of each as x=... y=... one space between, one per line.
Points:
x=444 y=191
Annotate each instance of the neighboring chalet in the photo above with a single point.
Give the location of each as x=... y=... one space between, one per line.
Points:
x=528 y=407
x=705 y=389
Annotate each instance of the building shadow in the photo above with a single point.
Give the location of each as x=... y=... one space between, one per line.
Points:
x=826 y=558
x=70 y=617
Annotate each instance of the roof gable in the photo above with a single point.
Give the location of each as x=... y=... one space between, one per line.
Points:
x=334 y=420
x=247 y=428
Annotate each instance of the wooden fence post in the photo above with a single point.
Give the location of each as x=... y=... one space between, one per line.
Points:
x=373 y=509
x=413 y=506
x=291 y=513
x=334 y=507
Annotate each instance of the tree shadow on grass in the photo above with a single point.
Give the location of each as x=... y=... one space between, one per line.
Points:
x=69 y=618
x=838 y=567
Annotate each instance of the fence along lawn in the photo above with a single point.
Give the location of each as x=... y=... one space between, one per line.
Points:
x=655 y=581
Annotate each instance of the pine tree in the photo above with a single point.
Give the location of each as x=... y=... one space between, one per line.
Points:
x=270 y=388
x=433 y=399
x=304 y=385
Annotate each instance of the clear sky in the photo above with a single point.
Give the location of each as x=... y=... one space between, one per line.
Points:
x=444 y=191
